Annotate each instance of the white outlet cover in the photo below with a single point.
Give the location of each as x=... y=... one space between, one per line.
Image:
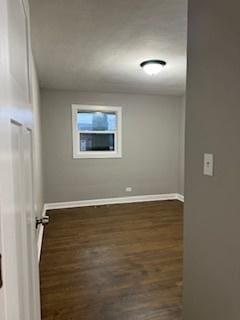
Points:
x=128 y=189
x=208 y=164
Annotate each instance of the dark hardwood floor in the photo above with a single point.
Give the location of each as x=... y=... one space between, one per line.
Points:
x=118 y=262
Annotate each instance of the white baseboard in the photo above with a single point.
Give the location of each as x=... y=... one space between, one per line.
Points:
x=180 y=197
x=117 y=200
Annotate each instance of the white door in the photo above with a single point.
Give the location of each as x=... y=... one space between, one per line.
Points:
x=19 y=295
x=31 y=241
x=24 y=290
x=2 y=305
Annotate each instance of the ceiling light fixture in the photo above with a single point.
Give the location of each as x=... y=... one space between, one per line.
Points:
x=153 y=67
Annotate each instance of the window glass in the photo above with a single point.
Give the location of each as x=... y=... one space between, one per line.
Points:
x=97 y=142
x=96 y=121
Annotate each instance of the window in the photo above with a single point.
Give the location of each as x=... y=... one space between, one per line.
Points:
x=96 y=131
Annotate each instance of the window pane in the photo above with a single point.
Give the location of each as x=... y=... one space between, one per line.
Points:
x=96 y=121
x=97 y=142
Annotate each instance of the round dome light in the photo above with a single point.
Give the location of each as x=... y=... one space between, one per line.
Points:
x=153 y=67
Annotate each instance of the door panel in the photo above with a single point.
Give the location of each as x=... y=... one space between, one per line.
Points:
x=26 y=248
x=20 y=219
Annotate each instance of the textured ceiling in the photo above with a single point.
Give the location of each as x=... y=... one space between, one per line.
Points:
x=97 y=45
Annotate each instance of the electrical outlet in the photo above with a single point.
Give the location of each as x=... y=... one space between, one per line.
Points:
x=208 y=164
x=128 y=189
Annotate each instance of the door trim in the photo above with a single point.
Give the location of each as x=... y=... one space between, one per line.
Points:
x=40 y=235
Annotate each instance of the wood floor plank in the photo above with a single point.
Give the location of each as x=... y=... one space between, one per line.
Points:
x=116 y=262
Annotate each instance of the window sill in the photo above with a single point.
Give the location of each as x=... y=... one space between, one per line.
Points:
x=97 y=155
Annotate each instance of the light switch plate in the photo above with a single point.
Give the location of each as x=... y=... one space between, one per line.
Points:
x=208 y=164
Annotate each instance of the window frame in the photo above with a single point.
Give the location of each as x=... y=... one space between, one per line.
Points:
x=77 y=153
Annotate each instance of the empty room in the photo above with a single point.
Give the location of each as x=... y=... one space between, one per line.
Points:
x=112 y=145
x=119 y=126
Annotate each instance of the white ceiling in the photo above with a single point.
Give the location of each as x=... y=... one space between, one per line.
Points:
x=97 y=45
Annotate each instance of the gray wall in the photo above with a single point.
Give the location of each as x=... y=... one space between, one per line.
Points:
x=182 y=148
x=212 y=206
x=151 y=139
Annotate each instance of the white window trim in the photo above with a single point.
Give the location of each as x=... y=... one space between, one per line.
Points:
x=77 y=154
